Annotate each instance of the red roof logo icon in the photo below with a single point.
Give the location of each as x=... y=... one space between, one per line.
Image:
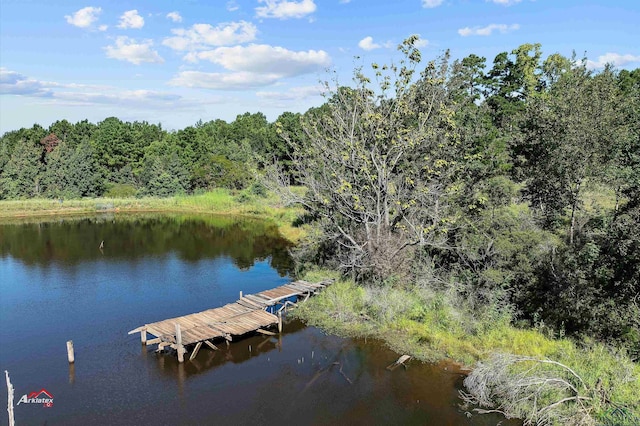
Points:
x=40 y=393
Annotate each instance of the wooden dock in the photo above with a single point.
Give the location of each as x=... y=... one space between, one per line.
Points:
x=250 y=313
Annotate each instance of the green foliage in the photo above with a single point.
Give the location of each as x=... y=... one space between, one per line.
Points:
x=163 y=176
x=20 y=176
x=230 y=174
x=381 y=164
x=72 y=172
x=120 y=190
x=568 y=135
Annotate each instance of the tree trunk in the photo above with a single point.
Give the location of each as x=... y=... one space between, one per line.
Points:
x=574 y=207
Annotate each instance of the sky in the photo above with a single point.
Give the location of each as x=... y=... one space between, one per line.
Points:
x=176 y=62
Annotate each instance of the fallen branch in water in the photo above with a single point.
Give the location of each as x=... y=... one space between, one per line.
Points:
x=401 y=360
x=345 y=376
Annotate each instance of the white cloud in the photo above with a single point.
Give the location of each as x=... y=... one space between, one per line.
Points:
x=84 y=17
x=421 y=42
x=428 y=4
x=263 y=58
x=256 y=65
x=223 y=81
x=345 y=1
x=202 y=36
x=129 y=98
x=505 y=2
x=103 y=27
x=127 y=49
x=13 y=83
x=615 y=59
x=174 y=16
x=232 y=6
x=368 y=44
x=131 y=19
x=284 y=9
x=486 y=31
x=293 y=94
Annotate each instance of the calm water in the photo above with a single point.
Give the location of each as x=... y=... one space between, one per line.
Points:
x=57 y=285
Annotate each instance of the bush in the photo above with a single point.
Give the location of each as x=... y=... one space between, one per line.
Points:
x=120 y=190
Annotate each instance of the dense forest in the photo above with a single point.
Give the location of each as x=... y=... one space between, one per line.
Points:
x=116 y=158
x=519 y=180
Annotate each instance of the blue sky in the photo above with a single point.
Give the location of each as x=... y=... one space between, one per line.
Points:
x=175 y=62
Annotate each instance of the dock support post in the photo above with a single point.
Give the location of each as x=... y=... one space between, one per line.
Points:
x=70 y=354
x=240 y=294
x=143 y=336
x=211 y=345
x=279 y=322
x=179 y=346
x=195 y=351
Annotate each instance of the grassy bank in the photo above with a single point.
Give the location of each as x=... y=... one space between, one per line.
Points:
x=434 y=325
x=218 y=201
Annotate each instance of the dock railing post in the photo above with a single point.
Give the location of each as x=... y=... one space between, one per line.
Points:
x=179 y=346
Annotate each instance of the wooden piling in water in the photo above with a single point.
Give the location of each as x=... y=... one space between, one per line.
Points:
x=195 y=351
x=70 y=354
x=179 y=346
x=143 y=336
x=10 y=389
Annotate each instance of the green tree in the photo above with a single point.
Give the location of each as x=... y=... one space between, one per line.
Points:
x=289 y=124
x=512 y=81
x=72 y=172
x=163 y=174
x=20 y=176
x=567 y=139
x=380 y=165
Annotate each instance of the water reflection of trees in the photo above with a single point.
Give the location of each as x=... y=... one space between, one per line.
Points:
x=191 y=238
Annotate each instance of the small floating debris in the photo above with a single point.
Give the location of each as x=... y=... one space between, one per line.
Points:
x=401 y=360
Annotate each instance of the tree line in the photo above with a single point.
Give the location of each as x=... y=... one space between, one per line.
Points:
x=116 y=158
x=518 y=180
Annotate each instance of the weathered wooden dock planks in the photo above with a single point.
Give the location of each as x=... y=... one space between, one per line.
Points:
x=250 y=313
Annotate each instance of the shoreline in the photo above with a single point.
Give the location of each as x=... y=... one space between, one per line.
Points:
x=442 y=332
x=217 y=202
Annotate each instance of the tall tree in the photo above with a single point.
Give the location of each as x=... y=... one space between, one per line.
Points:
x=380 y=164
x=20 y=176
x=567 y=138
x=512 y=80
x=72 y=172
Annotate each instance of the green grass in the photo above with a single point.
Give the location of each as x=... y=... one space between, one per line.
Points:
x=218 y=201
x=432 y=326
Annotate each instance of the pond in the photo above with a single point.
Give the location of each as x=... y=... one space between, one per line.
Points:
x=58 y=284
